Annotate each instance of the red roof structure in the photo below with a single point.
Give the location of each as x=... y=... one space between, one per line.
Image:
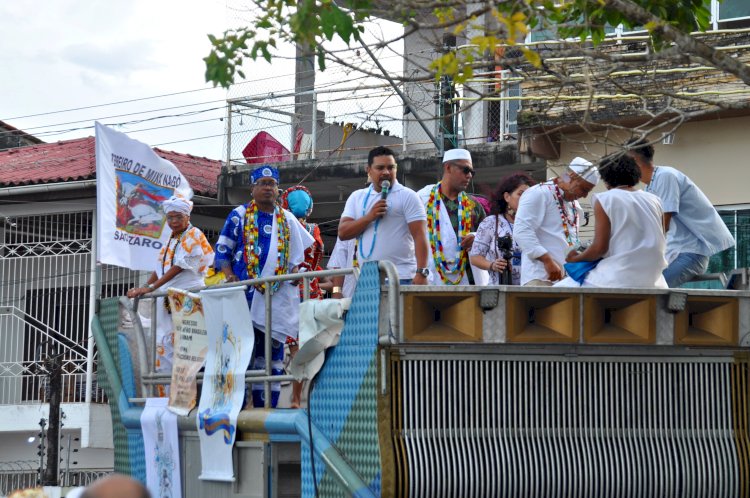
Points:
x=72 y=160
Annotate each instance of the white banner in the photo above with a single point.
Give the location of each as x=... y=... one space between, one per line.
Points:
x=230 y=346
x=131 y=183
x=190 y=348
x=160 y=442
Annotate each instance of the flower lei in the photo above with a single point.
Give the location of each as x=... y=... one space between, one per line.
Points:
x=252 y=252
x=443 y=266
x=566 y=221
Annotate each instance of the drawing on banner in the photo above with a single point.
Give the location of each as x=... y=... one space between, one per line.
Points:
x=139 y=201
x=164 y=463
x=216 y=417
x=191 y=347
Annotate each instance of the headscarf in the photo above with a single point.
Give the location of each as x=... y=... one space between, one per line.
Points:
x=298 y=200
x=177 y=204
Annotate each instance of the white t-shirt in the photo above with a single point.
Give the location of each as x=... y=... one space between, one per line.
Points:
x=636 y=242
x=539 y=230
x=393 y=241
x=342 y=257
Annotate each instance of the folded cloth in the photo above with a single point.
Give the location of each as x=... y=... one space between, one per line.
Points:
x=320 y=324
x=578 y=271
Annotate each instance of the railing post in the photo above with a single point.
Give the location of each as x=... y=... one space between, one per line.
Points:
x=268 y=342
x=229 y=136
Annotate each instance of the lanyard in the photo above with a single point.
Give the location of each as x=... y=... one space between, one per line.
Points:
x=375 y=231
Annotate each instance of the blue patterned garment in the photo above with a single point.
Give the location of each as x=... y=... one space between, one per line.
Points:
x=230 y=248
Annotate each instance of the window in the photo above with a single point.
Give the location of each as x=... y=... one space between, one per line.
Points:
x=734 y=9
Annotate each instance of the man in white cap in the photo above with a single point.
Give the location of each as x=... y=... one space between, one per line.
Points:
x=452 y=218
x=547 y=222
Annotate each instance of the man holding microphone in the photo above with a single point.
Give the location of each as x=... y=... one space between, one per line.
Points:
x=387 y=221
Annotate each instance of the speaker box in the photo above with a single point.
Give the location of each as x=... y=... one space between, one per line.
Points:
x=442 y=317
x=542 y=317
x=707 y=321
x=619 y=319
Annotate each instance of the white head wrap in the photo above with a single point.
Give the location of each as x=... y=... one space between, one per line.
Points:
x=177 y=205
x=456 y=154
x=585 y=170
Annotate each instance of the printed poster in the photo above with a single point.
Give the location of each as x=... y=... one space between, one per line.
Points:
x=160 y=443
x=230 y=346
x=190 y=348
x=131 y=183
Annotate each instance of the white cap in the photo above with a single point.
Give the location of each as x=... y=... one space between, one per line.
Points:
x=456 y=154
x=585 y=170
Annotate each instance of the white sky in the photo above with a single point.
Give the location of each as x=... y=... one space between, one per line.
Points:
x=63 y=54
x=59 y=55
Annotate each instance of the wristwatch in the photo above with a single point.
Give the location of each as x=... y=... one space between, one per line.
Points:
x=425 y=272
x=336 y=290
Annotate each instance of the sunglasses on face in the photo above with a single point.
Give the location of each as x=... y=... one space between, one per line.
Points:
x=467 y=170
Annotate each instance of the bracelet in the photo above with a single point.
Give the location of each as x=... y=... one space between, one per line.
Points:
x=336 y=290
x=150 y=286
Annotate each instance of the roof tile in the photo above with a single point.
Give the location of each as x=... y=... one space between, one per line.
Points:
x=72 y=160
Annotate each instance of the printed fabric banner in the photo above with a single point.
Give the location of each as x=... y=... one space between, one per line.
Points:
x=160 y=442
x=190 y=348
x=230 y=346
x=131 y=183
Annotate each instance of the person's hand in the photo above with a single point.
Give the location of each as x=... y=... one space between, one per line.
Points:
x=138 y=291
x=498 y=265
x=230 y=277
x=419 y=279
x=378 y=210
x=467 y=241
x=554 y=271
x=572 y=256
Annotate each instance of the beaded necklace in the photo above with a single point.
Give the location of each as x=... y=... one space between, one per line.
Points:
x=252 y=247
x=178 y=240
x=375 y=229
x=442 y=265
x=567 y=221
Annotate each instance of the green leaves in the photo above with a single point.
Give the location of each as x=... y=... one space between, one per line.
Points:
x=310 y=23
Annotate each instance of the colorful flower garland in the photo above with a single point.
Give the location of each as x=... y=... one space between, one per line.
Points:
x=252 y=251
x=566 y=221
x=443 y=266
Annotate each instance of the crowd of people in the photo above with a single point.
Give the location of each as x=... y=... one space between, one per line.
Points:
x=659 y=236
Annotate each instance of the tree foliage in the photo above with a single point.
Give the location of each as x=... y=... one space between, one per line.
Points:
x=311 y=23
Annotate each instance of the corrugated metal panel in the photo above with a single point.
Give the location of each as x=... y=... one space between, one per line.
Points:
x=584 y=427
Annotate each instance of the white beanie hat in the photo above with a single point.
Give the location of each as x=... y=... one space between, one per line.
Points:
x=585 y=170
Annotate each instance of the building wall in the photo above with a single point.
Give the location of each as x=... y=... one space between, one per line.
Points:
x=714 y=154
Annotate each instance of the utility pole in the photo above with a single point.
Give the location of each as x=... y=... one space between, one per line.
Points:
x=447 y=109
x=53 y=365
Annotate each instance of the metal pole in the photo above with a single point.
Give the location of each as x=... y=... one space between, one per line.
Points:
x=404 y=98
x=94 y=294
x=314 y=124
x=268 y=341
x=229 y=136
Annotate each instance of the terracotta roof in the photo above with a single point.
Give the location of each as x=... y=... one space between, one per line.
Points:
x=72 y=160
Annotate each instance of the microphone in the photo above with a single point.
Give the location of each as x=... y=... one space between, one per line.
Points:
x=384 y=188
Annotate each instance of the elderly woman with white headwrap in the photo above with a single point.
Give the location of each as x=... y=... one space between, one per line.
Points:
x=182 y=263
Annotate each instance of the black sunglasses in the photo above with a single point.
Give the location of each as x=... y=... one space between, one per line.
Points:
x=466 y=169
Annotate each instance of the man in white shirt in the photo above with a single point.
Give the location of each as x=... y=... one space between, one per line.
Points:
x=388 y=224
x=695 y=231
x=452 y=220
x=342 y=256
x=547 y=222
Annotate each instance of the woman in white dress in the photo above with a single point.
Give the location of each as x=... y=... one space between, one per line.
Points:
x=183 y=263
x=485 y=253
x=628 y=236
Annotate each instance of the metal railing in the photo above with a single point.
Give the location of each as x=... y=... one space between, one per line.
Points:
x=11 y=480
x=151 y=378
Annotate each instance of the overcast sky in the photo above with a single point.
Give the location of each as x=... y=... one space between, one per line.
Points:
x=60 y=55
x=63 y=54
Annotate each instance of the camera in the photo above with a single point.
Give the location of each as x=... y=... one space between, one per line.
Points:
x=505 y=247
